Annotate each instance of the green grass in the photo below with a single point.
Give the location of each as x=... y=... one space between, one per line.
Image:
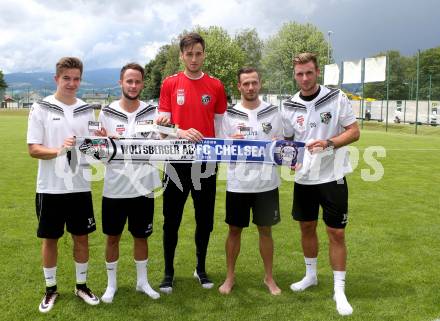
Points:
x=392 y=240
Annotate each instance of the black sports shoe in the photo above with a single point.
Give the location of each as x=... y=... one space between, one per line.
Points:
x=203 y=279
x=166 y=286
x=48 y=301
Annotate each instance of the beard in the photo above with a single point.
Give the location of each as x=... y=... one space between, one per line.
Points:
x=252 y=97
x=126 y=95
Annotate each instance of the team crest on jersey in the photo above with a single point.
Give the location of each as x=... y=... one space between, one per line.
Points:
x=206 y=99
x=180 y=97
x=300 y=120
x=325 y=117
x=267 y=127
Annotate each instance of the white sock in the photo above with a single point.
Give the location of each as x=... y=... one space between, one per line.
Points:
x=310 y=278
x=50 y=276
x=311 y=264
x=112 y=285
x=342 y=305
x=142 y=280
x=81 y=272
x=141 y=271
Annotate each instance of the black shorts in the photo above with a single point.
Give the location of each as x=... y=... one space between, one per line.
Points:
x=138 y=210
x=331 y=196
x=73 y=209
x=265 y=208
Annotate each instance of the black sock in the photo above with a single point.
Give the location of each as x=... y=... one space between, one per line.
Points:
x=51 y=288
x=82 y=286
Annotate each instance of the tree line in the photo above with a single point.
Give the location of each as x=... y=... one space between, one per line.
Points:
x=225 y=54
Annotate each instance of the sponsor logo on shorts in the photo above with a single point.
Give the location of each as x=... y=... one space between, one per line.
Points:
x=91 y=222
x=344 y=218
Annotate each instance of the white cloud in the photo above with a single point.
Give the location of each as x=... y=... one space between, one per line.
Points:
x=34 y=34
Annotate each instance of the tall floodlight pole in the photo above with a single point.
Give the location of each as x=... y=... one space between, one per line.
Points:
x=329 y=33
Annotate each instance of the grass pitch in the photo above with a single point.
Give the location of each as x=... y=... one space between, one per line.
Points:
x=392 y=236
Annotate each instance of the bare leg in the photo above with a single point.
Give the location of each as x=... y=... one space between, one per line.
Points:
x=266 y=251
x=112 y=248
x=81 y=248
x=140 y=249
x=49 y=252
x=337 y=248
x=309 y=238
x=232 y=248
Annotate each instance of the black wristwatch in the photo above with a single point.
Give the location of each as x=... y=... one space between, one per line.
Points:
x=330 y=144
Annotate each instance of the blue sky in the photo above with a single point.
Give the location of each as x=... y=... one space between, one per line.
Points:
x=35 y=33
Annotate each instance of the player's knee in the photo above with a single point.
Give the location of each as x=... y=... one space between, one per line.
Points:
x=112 y=241
x=308 y=228
x=336 y=235
x=81 y=242
x=234 y=231
x=265 y=231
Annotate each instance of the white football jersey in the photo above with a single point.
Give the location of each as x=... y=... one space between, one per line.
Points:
x=322 y=118
x=262 y=123
x=128 y=180
x=50 y=122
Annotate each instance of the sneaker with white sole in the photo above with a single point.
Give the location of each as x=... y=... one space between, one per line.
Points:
x=87 y=295
x=108 y=295
x=166 y=286
x=48 y=301
x=148 y=290
x=203 y=279
x=304 y=284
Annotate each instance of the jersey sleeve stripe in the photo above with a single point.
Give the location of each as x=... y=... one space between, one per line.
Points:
x=146 y=110
x=112 y=112
x=331 y=95
x=267 y=111
x=236 y=113
x=51 y=107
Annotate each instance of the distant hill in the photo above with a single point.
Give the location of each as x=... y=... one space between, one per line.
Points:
x=99 y=79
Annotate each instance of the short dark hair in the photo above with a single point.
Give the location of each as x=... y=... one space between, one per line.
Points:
x=190 y=40
x=247 y=70
x=304 y=58
x=132 y=65
x=68 y=63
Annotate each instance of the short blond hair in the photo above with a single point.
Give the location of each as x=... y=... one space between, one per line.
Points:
x=304 y=58
x=69 y=63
